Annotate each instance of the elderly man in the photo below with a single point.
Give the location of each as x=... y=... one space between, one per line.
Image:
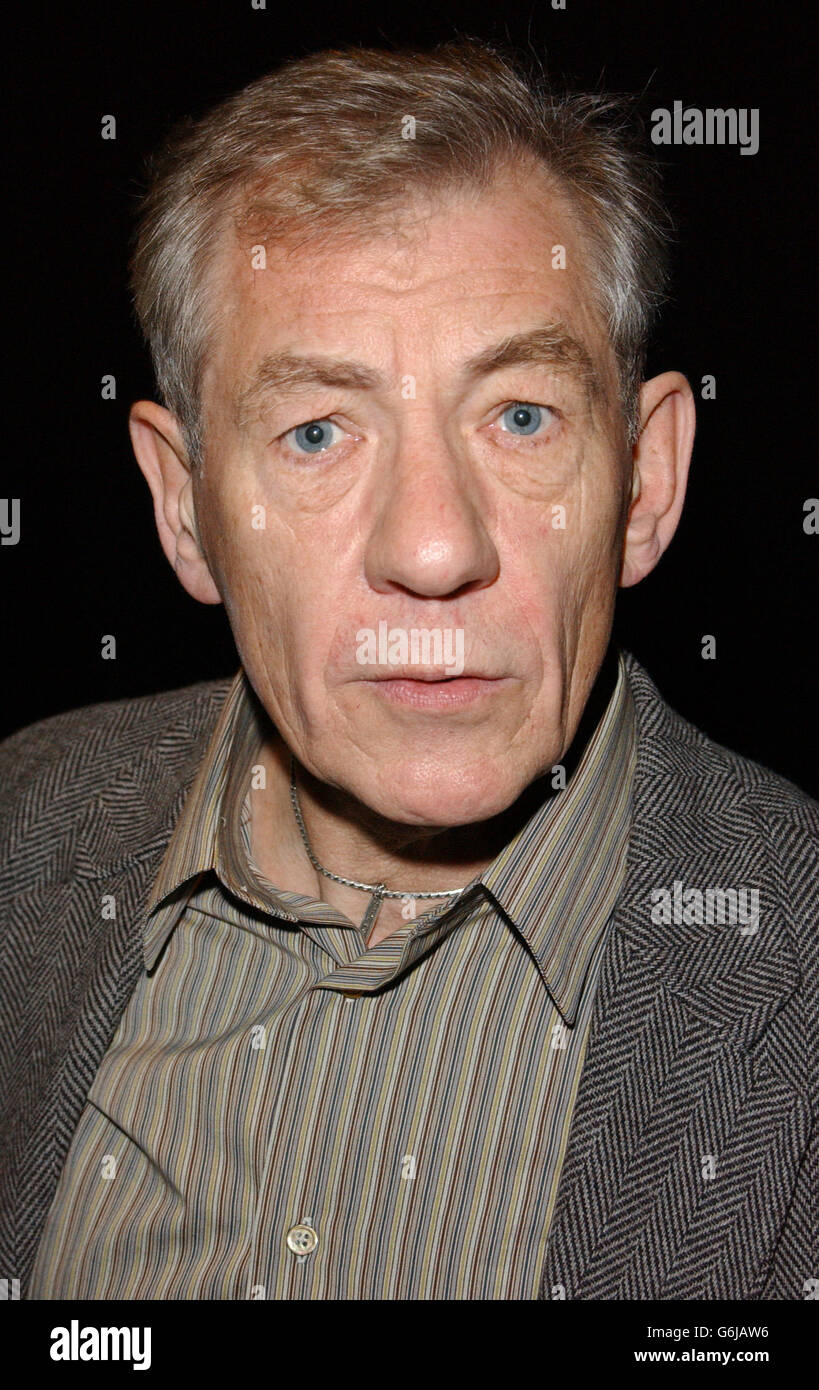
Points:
x=433 y=956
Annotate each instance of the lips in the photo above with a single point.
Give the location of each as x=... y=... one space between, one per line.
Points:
x=427 y=675
x=431 y=692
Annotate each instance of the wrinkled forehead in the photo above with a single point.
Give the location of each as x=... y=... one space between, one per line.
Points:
x=440 y=269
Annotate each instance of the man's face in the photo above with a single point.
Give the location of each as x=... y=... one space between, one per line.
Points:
x=413 y=492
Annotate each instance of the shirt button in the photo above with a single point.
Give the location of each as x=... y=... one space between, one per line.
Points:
x=302 y=1240
x=352 y=993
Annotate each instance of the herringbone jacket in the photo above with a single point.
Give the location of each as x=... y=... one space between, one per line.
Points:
x=692 y=1170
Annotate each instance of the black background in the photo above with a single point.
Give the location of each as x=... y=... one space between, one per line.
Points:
x=89 y=562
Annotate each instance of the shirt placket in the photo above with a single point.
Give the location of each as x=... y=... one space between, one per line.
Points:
x=293 y=1220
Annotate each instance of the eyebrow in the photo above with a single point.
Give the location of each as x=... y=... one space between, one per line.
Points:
x=285 y=373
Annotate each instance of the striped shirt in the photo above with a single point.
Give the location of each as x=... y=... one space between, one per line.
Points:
x=284 y=1113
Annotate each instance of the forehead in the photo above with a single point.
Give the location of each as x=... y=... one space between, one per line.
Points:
x=441 y=275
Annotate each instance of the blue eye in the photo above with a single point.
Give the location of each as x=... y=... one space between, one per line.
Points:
x=313 y=437
x=521 y=418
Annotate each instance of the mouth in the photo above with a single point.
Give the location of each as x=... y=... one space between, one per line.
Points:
x=432 y=690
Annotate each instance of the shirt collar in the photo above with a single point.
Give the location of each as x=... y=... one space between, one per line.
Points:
x=555 y=882
x=202 y=839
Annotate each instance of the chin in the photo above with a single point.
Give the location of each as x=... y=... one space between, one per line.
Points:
x=446 y=799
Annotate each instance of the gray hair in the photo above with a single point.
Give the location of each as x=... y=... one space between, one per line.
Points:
x=317 y=145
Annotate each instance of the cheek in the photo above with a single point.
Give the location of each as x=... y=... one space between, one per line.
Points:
x=564 y=555
x=278 y=598
x=593 y=522
x=240 y=536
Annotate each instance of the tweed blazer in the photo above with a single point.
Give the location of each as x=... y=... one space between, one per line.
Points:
x=692 y=1170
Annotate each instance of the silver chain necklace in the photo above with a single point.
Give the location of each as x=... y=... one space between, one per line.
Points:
x=378 y=890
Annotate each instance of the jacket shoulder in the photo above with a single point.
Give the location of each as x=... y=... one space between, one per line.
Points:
x=703 y=801
x=709 y=776
x=54 y=770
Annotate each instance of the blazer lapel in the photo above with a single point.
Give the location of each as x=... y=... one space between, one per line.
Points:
x=687 y=1136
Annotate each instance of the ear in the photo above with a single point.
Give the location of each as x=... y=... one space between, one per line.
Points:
x=161 y=454
x=660 y=461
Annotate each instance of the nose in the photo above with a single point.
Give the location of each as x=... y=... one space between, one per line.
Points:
x=429 y=536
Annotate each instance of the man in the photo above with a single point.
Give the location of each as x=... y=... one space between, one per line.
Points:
x=433 y=956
